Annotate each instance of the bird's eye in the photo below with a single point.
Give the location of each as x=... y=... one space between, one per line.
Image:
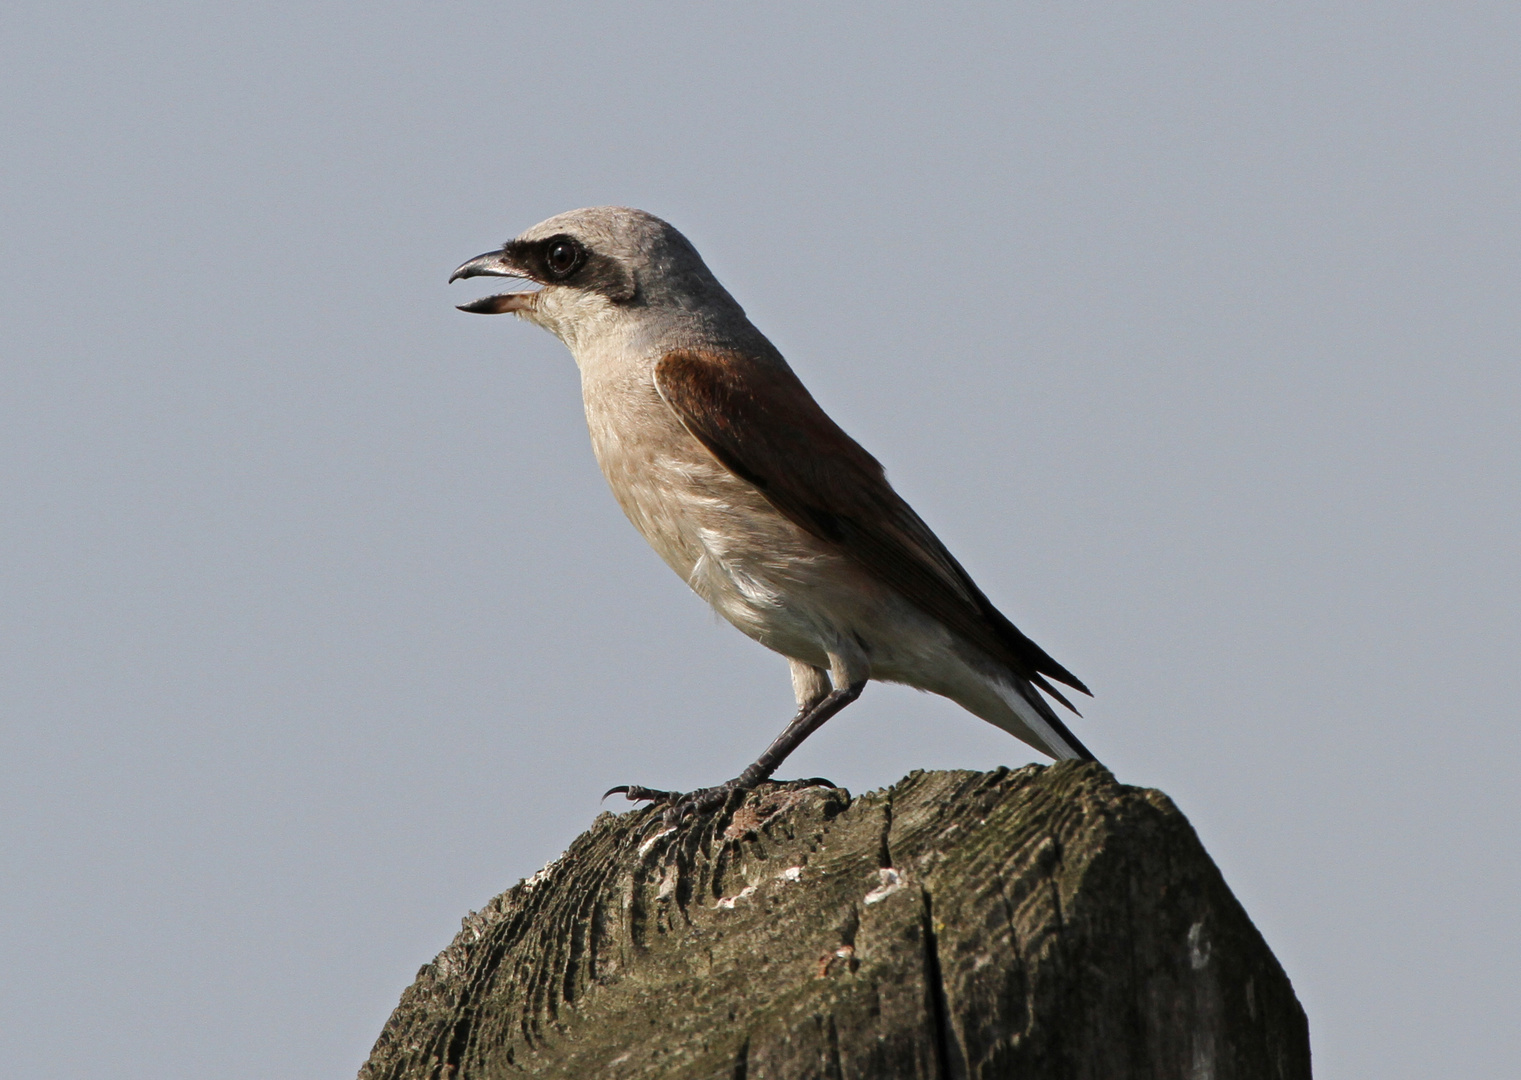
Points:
x=562 y=258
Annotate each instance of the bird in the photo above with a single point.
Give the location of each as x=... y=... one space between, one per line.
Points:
x=760 y=502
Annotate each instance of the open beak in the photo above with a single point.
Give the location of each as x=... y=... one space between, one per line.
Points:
x=494 y=264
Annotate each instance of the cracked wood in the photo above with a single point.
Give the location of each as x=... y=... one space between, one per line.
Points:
x=1045 y=922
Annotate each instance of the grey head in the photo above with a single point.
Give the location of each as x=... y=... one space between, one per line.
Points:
x=606 y=270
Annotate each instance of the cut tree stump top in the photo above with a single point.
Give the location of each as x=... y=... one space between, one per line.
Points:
x=1044 y=922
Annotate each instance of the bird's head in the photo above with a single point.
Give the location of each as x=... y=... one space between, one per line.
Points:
x=596 y=270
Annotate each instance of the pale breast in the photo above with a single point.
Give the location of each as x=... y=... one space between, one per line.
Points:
x=758 y=570
x=775 y=582
x=662 y=478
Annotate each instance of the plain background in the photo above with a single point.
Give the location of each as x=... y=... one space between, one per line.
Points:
x=1192 y=329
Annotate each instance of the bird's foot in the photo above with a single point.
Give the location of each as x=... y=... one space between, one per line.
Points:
x=678 y=805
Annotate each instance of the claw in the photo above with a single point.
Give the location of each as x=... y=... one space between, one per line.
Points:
x=637 y=793
x=812 y=781
x=678 y=805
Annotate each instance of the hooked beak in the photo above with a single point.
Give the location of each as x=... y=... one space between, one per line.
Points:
x=494 y=264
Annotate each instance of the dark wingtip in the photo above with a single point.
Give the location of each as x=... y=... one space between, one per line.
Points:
x=1066 y=678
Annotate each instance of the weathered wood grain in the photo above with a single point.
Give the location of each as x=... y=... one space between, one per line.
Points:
x=1046 y=922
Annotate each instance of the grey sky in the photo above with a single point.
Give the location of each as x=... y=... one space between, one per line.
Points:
x=1191 y=329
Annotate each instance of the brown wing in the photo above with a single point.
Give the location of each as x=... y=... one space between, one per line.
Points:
x=761 y=423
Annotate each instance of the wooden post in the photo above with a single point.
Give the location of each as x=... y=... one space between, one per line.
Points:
x=1045 y=922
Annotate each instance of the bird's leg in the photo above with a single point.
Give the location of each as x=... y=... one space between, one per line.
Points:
x=804 y=724
x=810 y=717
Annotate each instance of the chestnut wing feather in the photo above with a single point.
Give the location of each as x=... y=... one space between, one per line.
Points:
x=760 y=422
